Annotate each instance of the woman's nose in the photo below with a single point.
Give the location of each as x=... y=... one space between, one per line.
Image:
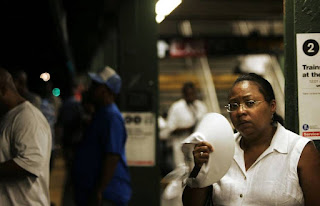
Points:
x=242 y=108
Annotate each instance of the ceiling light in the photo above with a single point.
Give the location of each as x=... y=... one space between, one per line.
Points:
x=159 y=18
x=165 y=7
x=45 y=76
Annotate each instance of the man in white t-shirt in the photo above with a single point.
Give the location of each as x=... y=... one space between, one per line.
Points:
x=183 y=115
x=25 y=146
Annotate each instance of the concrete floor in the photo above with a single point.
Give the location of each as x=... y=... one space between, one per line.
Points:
x=57 y=181
x=61 y=190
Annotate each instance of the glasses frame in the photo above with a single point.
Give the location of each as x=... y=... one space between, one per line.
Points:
x=243 y=105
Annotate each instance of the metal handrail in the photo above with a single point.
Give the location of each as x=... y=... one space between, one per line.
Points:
x=275 y=76
x=203 y=72
x=207 y=84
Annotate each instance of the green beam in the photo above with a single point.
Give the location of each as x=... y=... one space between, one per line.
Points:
x=139 y=71
x=300 y=16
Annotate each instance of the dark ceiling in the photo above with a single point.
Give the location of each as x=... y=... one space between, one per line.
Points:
x=227 y=26
x=27 y=34
x=49 y=35
x=46 y=35
x=38 y=31
x=228 y=10
x=225 y=17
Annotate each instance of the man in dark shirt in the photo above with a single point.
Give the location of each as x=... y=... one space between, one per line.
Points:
x=101 y=171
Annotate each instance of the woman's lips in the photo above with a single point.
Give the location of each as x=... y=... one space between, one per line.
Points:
x=241 y=123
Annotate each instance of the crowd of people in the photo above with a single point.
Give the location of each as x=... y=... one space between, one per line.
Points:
x=271 y=165
x=88 y=126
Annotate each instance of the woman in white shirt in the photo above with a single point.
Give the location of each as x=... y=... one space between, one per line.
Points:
x=271 y=165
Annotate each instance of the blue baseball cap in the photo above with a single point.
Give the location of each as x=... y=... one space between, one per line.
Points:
x=108 y=77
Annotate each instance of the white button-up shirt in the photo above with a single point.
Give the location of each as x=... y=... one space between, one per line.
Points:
x=271 y=180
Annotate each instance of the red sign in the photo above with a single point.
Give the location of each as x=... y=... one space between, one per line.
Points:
x=310 y=134
x=187 y=48
x=140 y=163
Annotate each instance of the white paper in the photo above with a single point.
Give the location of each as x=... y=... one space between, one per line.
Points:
x=308 y=71
x=140 y=146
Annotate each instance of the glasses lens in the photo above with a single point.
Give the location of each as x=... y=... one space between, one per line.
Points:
x=250 y=103
x=234 y=106
x=231 y=107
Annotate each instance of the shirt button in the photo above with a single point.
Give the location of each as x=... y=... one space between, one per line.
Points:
x=245 y=178
x=241 y=195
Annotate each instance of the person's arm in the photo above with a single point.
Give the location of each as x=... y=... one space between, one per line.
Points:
x=198 y=196
x=195 y=196
x=181 y=130
x=109 y=165
x=32 y=146
x=309 y=174
x=11 y=170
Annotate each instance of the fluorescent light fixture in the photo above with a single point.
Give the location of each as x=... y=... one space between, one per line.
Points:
x=159 y=18
x=165 y=7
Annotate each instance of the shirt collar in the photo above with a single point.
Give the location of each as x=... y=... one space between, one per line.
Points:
x=279 y=141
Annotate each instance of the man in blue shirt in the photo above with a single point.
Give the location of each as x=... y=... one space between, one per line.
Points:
x=100 y=172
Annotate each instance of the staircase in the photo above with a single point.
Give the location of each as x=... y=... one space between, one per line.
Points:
x=222 y=70
x=173 y=72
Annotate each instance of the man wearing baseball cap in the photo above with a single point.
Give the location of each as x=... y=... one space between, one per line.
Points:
x=101 y=172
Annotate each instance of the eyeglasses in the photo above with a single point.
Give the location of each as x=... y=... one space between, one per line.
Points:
x=232 y=107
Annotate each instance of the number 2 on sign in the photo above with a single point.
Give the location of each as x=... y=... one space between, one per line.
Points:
x=311 y=47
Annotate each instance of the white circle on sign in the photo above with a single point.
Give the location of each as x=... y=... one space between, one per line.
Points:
x=45 y=76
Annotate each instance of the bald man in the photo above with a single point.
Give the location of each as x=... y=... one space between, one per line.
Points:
x=25 y=145
x=20 y=79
